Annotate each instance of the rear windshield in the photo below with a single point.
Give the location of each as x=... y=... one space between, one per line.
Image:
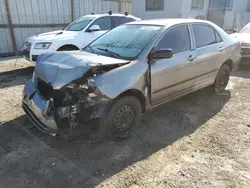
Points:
x=79 y=24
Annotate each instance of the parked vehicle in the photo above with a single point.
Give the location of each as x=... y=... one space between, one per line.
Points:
x=244 y=36
x=75 y=36
x=116 y=79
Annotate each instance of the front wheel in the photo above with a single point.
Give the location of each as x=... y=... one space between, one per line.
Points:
x=122 y=118
x=222 y=78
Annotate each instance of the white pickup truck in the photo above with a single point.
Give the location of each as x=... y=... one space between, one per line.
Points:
x=75 y=36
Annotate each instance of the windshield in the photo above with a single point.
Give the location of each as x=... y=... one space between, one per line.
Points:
x=79 y=24
x=245 y=29
x=126 y=41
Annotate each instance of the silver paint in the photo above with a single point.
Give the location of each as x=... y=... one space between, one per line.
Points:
x=59 y=69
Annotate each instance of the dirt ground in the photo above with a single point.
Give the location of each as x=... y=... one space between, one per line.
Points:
x=201 y=140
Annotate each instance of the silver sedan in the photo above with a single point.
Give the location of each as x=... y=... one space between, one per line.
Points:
x=126 y=72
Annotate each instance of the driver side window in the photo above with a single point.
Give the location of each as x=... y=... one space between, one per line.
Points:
x=177 y=39
x=104 y=23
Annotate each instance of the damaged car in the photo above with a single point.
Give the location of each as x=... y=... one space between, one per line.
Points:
x=126 y=72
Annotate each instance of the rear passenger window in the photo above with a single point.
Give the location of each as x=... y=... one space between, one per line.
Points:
x=204 y=35
x=119 y=20
x=177 y=39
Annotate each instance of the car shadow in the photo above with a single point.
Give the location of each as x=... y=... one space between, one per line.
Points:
x=14 y=78
x=242 y=72
x=102 y=158
x=18 y=72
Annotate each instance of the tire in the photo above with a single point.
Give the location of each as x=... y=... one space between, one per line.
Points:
x=67 y=48
x=122 y=118
x=222 y=78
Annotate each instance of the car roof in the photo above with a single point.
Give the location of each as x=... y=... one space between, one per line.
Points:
x=163 y=22
x=113 y=14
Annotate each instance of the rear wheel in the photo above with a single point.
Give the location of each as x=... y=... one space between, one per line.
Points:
x=222 y=78
x=122 y=118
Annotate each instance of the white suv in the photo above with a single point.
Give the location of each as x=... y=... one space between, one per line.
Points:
x=75 y=36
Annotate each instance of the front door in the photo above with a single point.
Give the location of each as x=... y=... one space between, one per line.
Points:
x=105 y=25
x=216 y=11
x=171 y=76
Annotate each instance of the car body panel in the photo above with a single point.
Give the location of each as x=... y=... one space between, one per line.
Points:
x=54 y=35
x=174 y=72
x=59 y=69
x=34 y=105
x=136 y=80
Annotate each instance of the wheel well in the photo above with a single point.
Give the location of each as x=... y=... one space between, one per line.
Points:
x=229 y=63
x=138 y=94
x=68 y=46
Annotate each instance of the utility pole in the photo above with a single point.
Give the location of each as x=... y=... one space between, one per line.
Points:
x=72 y=2
x=12 y=35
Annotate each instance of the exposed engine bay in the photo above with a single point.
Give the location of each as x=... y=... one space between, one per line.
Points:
x=74 y=98
x=64 y=85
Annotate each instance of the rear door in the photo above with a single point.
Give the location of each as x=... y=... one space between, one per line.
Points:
x=171 y=77
x=209 y=53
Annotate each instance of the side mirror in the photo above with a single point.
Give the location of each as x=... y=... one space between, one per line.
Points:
x=94 y=28
x=161 y=54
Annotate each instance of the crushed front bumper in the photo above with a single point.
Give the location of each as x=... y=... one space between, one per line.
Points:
x=48 y=119
x=38 y=109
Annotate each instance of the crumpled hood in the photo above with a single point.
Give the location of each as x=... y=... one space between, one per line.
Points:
x=49 y=36
x=243 y=37
x=59 y=69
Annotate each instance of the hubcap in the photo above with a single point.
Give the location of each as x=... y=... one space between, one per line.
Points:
x=124 y=118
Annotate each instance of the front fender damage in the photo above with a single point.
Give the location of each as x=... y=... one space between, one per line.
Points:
x=65 y=86
x=78 y=103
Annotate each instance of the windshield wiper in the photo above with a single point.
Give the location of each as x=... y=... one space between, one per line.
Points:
x=110 y=52
x=92 y=50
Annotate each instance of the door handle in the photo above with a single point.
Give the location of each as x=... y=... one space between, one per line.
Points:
x=191 y=58
x=221 y=49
